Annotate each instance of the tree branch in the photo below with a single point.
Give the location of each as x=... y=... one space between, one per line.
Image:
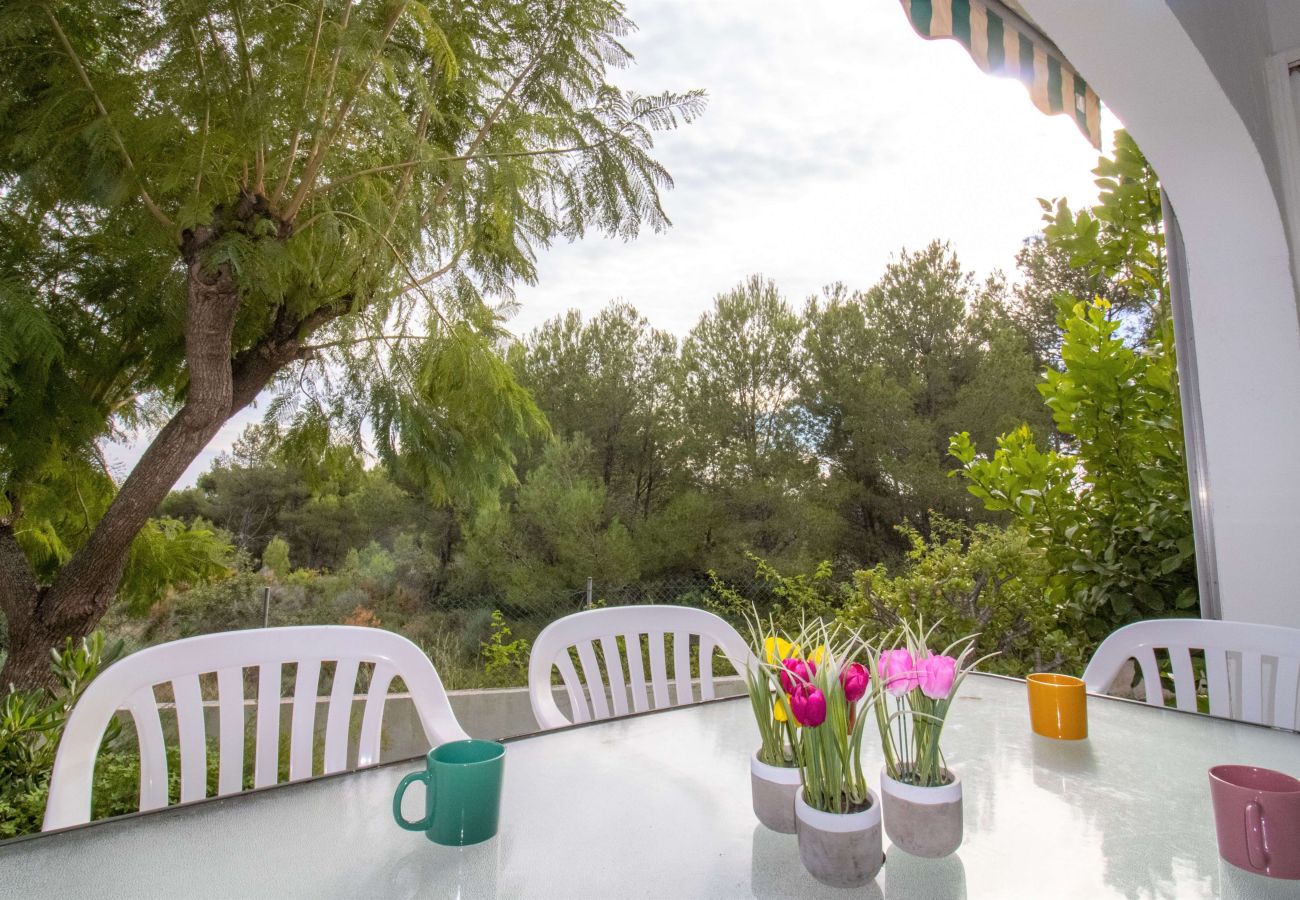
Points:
x=86 y=585
x=207 y=108
x=321 y=147
x=516 y=154
x=306 y=94
x=481 y=135
x=153 y=208
x=253 y=369
x=363 y=339
x=241 y=47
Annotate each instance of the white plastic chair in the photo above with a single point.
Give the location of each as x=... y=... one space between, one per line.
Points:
x=1251 y=670
x=581 y=630
x=130 y=684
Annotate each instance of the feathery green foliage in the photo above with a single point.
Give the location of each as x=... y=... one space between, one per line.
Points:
x=339 y=190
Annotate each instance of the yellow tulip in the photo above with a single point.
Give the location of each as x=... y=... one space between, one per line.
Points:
x=777 y=649
x=818 y=654
x=778 y=710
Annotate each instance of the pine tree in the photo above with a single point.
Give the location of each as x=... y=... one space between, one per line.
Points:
x=204 y=200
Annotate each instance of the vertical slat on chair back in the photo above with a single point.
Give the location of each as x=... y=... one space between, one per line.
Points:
x=614 y=667
x=1146 y=660
x=1180 y=658
x=592 y=678
x=373 y=717
x=192 y=737
x=682 y=667
x=266 y=759
x=706 y=668
x=230 y=696
x=1284 y=695
x=658 y=670
x=302 y=728
x=339 y=718
x=636 y=671
x=1252 y=687
x=573 y=687
x=1216 y=683
x=143 y=706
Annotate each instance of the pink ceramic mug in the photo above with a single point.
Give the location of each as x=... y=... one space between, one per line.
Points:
x=1257 y=816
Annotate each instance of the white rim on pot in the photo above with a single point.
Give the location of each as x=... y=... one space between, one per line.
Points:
x=774 y=774
x=947 y=793
x=838 y=822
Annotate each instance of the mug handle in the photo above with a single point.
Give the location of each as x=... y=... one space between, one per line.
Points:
x=422 y=824
x=1255 y=836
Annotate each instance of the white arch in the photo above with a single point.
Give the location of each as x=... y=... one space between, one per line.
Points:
x=1143 y=64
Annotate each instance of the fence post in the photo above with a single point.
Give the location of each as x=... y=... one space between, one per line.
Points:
x=588 y=592
x=266 y=607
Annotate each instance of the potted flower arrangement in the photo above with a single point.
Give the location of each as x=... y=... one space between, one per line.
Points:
x=837 y=817
x=774 y=768
x=922 y=797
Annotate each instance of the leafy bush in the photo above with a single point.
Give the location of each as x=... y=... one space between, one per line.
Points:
x=276 y=556
x=31 y=723
x=1113 y=518
x=982 y=579
x=797 y=597
x=506 y=661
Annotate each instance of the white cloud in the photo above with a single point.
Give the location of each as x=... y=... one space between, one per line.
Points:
x=834 y=136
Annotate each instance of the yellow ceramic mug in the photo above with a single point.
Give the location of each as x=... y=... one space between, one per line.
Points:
x=1058 y=706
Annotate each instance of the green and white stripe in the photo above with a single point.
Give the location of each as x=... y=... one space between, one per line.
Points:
x=1004 y=43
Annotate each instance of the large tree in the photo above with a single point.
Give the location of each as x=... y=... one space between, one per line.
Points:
x=740 y=366
x=611 y=379
x=204 y=200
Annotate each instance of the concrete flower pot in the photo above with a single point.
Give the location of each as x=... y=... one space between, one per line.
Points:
x=840 y=849
x=922 y=821
x=774 y=789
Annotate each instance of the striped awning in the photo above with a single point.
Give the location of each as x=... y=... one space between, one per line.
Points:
x=1003 y=41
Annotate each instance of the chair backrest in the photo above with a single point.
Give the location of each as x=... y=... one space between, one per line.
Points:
x=130 y=684
x=1251 y=671
x=582 y=630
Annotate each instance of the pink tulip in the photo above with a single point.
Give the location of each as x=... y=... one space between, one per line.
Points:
x=854 y=678
x=936 y=676
x=795 y=672
x=808 y=705
x=898 y=671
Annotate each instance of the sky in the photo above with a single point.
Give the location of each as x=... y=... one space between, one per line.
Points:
x=834 y=137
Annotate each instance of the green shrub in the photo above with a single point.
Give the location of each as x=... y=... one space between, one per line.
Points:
x=276 y=556
x=983 y=580
x=31 y=723
x=1113 y=517
x=505 y=660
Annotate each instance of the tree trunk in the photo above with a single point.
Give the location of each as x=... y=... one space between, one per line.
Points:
x=82 y=591
x=220 y=385
x=28 y=662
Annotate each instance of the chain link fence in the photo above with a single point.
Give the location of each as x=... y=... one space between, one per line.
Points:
x=476 y=639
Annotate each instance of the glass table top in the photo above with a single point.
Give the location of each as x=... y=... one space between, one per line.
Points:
x=659 y=806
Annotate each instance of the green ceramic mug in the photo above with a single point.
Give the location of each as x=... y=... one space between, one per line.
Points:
x=462 y=789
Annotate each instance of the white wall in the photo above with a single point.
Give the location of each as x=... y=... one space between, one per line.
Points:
x=1146 y=67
